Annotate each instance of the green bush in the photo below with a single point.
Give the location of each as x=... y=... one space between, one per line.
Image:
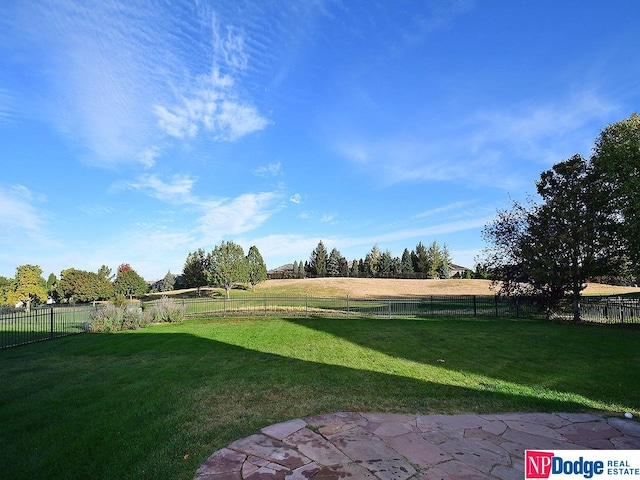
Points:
x=166 y=310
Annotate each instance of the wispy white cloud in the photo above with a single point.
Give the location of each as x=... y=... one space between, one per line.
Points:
x=269 y=170
x=296 y=198
x=175 y=190
x=6 y=105
x=236 y=216
x=488 y=148
x=444 y=209
x=20 y=217
x=122 y=78
x=96 y=210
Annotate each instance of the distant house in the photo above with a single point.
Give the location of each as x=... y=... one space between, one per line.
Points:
x=458 y=271
x=283 y=271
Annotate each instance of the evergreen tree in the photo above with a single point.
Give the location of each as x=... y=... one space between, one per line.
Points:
x=168 y=282
x=434 y=260
x=372 y=261
x=421 y=263
x=444 y=269
x=318 y=261
x=407 y=264
x=354 y=269
x=384 y=264
x=295 y=272
x=301 y=270
x=336 y=264
x=195 y=273
x=257 y=267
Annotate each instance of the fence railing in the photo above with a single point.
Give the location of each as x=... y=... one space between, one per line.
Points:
x=43 y=323
x=451 y=306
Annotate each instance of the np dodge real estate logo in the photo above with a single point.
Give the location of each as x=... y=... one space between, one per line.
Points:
x=598 y=464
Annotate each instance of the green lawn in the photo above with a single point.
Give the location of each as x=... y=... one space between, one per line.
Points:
x=154 y=403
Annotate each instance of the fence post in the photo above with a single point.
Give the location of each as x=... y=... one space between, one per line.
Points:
x=347 y=304
x=306 y=306
x=621 y=307
x=224 y=306
x=51 y=321
x=389 y=300
x=495 y=299
x=265 y=304
x=475 y=307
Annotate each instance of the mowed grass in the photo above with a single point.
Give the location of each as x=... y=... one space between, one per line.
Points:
x=155 y=403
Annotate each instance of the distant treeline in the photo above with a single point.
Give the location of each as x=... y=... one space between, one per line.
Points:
x=421 y=262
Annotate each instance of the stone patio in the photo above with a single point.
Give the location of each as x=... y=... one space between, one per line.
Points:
x=402 y=447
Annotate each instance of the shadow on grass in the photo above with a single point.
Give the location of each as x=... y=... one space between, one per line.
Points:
x=155 y=405
x=593 y=361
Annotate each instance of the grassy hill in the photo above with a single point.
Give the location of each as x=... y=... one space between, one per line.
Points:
x=382 y=287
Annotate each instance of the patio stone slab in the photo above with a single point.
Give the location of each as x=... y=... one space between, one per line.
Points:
x=387 y=446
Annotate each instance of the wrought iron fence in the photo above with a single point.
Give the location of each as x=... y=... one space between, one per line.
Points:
x=43 y=323
x=450 y=306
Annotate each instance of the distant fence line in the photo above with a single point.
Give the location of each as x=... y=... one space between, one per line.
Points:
x=48 y=322
x=593 y=309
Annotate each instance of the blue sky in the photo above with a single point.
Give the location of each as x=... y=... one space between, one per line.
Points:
x=138 y=131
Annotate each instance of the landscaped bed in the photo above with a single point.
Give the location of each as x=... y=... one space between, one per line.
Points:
x=155 y=402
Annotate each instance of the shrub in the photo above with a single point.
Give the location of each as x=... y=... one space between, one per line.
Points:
x=113 y=318
x=107 y=319
x=166 y=310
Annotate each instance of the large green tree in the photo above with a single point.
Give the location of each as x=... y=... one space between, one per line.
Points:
x=128 y=283
x=28 y=286
x=406 y=269
x=195 y=273
x=257 y=269
x=228 y=266
x=81 y=286
x=616 y=158
x=6 y=284
x=551 y=249
x=318 y=261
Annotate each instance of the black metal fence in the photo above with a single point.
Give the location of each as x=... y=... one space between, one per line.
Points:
x=43 y=323
x=19 y=328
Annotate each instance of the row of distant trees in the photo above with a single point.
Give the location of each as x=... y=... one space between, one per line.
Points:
x=28 y=286
x=586 y=226
x=433 y=261
x=225 y=266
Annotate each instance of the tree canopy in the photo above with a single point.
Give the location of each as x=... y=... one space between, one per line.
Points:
x=128 y=283
x=551 y=249
x=227 y=266
x=195 y=273
x=81 y=286
x=28 y=286
x=256 y=268
x=616 y=159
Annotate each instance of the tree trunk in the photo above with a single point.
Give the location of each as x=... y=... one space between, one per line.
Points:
x=576 y=306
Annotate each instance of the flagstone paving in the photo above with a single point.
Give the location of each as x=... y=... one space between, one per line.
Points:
x=411 y=447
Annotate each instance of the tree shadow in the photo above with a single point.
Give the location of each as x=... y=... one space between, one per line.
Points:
x=590 y=361
x=155 y=405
